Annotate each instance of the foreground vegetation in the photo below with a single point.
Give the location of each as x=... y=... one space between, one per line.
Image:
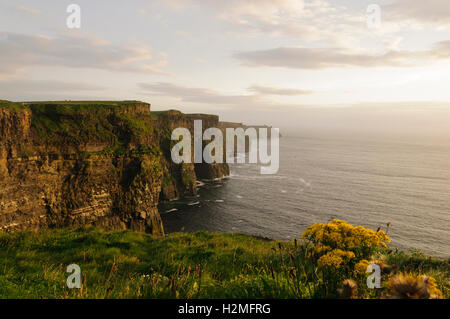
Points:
x=328 y=262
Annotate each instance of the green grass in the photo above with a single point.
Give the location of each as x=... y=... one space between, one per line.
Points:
x=137 y=265
x=11 y=105
x=75 y=123
x=160 y=114
x=85 y=103
x=90 y=104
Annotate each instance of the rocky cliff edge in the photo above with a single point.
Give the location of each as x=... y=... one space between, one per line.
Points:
x=67 y=164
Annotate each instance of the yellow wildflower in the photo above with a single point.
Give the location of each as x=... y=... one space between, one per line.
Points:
x=361 y=267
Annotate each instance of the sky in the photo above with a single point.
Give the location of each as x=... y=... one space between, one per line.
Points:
x=286 y=63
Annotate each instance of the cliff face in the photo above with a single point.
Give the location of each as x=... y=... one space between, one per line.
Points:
x=180 y=180
x=90 y=163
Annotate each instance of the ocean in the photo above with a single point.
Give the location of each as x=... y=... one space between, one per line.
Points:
x=367 y=180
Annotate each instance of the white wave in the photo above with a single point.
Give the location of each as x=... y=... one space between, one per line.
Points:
x=199 y=183
x=193 y=203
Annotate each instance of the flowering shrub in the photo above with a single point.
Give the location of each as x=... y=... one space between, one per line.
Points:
x=338 y=241
x=341 y=250
x=335 y=258
x=361 y=267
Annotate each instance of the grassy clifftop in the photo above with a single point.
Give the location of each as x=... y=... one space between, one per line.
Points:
x=7 y=103
x=115 y=124
x=201 y=265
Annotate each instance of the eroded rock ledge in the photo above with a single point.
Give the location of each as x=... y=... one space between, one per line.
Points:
x=65 y=164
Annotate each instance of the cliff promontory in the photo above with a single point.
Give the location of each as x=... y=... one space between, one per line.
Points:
x=65 y=164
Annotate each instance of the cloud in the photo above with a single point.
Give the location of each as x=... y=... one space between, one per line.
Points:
x=48 y=90
x=212 y=97
x=338 y=22
x=430 y=12
x=309 y=20
x=19 y=52
x=27 y=10
x=266 y=90
x=442 y=49
x=253 y=107
x=197 y=95
x=35 y=86
x=323 y=58
x=208 y=96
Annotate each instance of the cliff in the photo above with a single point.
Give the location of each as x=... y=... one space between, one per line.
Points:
x=65 y=164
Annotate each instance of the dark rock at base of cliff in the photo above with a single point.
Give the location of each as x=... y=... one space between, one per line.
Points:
x=214 y=171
